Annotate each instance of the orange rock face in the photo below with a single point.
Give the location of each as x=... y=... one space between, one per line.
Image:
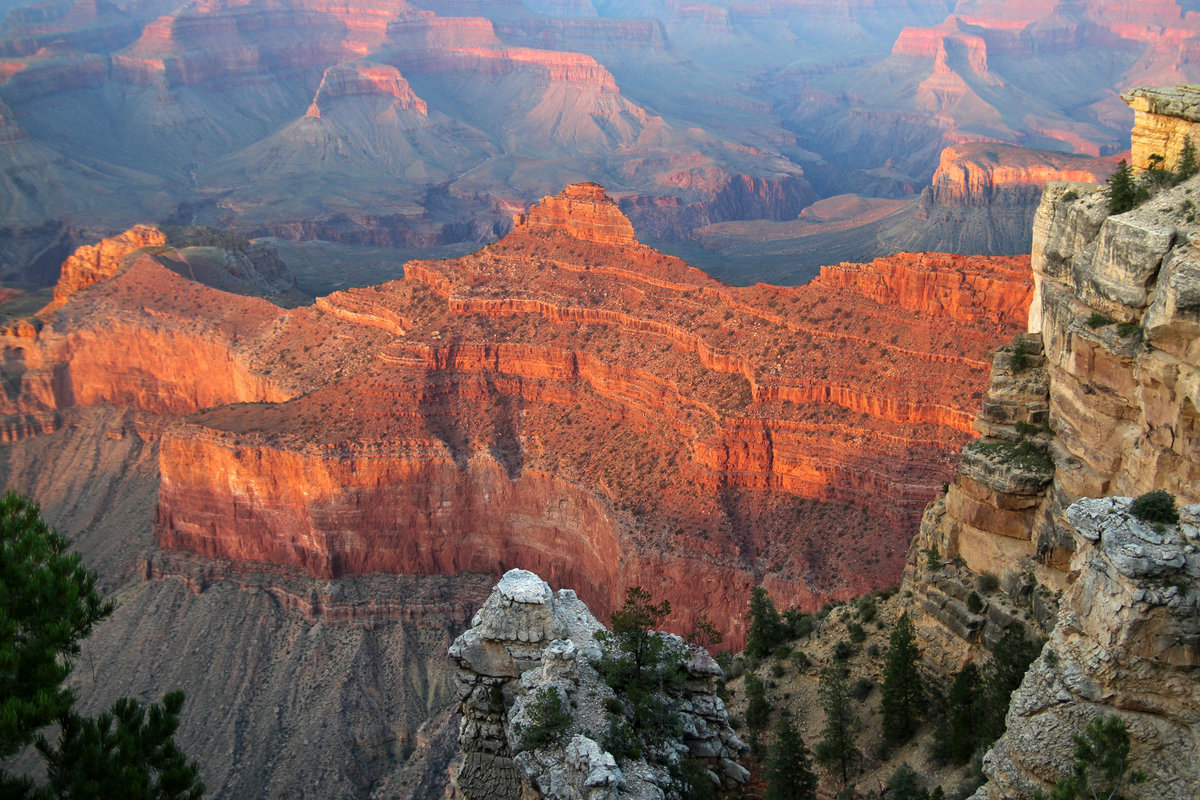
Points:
x=986 y=173
x=567 y=401
x=94 y=263
x=582 y=211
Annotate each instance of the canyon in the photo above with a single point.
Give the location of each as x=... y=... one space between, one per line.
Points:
x=566 y=400
x=417 y=125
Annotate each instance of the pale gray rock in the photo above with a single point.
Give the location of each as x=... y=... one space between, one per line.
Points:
x=527 y=640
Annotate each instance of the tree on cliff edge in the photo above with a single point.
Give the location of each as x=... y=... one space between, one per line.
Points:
x=48 y=604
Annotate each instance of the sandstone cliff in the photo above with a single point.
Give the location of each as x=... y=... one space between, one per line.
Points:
x=526 y=640
x=1163 y=119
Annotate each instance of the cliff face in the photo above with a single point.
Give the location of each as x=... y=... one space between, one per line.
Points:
x=1099 y=399
x=559 y=393
x=555 y=393
x=527 y=640
x=1127 y=643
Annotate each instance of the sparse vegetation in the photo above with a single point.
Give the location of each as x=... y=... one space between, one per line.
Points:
x=1018 y=361
x=1102 y=766
x=1098 y=320
x=1024 y=455
x=1157 y=506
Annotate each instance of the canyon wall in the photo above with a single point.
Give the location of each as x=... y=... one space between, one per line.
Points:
x=568 y=390
x=565 y=390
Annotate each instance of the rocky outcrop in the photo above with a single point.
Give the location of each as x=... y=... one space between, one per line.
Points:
x=1098 y=399
x=1163 y=118
x=527 y=640
x=91 y=264
x=583 y=211
x=1127 y=643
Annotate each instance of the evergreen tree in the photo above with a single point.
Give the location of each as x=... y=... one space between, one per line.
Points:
x=48 y=604
x=639 y=664
x=958 y=731
x=758 y=710
x=1122 y=189
x=837 y=751
x=1187 y=166
x=788 y=770
x=905 y=784
x=1010 y=661
x=766 y=628
x=1102 y=766
x=122 y=753
x=901 y=695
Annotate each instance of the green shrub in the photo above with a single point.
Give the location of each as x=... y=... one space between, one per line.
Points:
x=862 y=688
x=842 y=650
x=933 y=558
x=1025 y=454
x=1127 y=329
x=782 y=652
x=1098 y=320
x=974 y=603
x=1070 y=195
x=1156 y=506
x=988 y=582
x=1019 y=359
x=857 y=634
x=548 y=720
x=801 y=660
x=866 y=608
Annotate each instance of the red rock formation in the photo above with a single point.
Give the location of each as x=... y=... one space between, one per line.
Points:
x=965 y=288
x=565 y=400
x=346 y=80
x=987 y=173
x=582 y=211
x=91 y=264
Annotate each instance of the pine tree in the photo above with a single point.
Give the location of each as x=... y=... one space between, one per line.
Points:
x=50 y=604
x=1010 y=661
x=957 y=735
x=1187 y=166
x=766 y=628
x=837 y=751
x=1102 y=765
x=1122 y=189
x=758 y=710
x=905 y=784
x=901 y=694
x=788 y=769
